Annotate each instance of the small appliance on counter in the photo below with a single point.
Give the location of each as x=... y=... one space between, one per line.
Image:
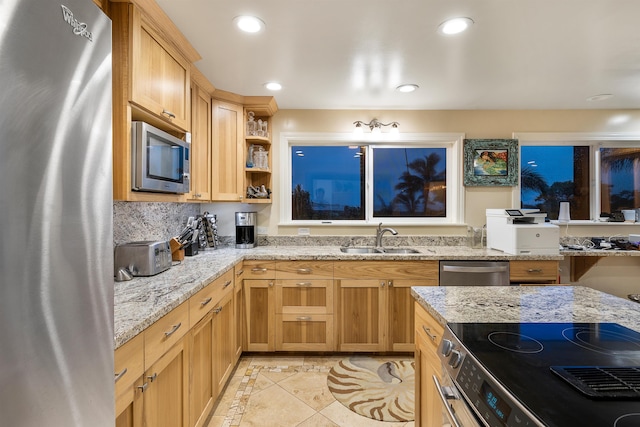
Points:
x=246 y=236
x=522 y=232
x=143 y=258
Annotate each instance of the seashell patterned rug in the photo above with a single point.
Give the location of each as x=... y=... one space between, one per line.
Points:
x=383 y=391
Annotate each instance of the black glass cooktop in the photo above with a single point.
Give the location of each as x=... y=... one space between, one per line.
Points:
x=536 y=362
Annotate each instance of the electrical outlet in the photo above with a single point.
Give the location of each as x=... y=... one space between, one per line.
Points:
x=263 y=230
x=303 y=232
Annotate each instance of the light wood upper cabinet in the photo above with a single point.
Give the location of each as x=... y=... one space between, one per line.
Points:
x=227 y=151
x=159 y=75
x=200 y=144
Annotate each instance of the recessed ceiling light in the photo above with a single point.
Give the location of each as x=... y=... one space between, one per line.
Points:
x=249 y=24
x=455 y=25
x=600 y=97
x=273 y=86
x=407 y=88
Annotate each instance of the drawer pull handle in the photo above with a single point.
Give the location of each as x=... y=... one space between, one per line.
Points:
x=205 y=302
x=143 y=387
x=303 y=318
x=390 y=283
x=259 y=270
x=240 y=273
x=172 y=331
x=226 y=285
x=304 y=270
x=121 y=374
x=304 y=284
x=534 y=270
x=217 y=310
x=153 y=377
x=197 y=195
x=169 y=114
x=429 y=334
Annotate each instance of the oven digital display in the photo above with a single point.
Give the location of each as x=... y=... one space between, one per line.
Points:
x=498 y=406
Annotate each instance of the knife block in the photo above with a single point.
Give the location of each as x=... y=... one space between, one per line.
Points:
x=177 y=254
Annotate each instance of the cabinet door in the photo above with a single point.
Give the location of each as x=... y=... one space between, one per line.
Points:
x=129 y=367
x=200 y=144
x=201 y=380
x=129 y=406
x=401 y=313
x=166 y=397
x=160 y=76
x=362 y=314
x=259 y=314
x=227 y=152
x=223 y=343
x=428 y=334
x=238 y=301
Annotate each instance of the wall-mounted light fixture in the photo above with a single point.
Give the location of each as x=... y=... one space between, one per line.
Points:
x=375 y=126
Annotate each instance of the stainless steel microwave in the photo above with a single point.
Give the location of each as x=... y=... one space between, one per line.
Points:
x=160 y=162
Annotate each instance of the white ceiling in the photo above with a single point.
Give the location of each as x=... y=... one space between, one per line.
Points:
x=351 y=54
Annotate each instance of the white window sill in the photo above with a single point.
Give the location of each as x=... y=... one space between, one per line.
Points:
x=591 y=222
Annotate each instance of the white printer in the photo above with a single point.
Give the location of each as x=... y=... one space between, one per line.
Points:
x=522 y=232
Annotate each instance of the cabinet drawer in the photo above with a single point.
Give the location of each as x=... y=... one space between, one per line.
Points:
x=304 y=332
x=533 y=271
x=259 y=269
x=204 y=301
x=304 y=269
x=428 y=328
x=422 y=270
x=129 y=363
x=313 y=296
x=165 y=332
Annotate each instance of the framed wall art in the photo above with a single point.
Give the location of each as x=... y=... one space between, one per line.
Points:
x=490 y=162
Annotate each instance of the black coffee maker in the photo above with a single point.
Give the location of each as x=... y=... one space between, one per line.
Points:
x=246 y=236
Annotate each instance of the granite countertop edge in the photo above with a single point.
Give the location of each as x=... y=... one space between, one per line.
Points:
x=529 y=304
x=142 y=301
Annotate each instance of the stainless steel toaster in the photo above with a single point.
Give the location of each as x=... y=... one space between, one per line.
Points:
x=144 y=258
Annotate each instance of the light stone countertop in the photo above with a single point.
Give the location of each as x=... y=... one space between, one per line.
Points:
x=142 y=301
x=537 y=304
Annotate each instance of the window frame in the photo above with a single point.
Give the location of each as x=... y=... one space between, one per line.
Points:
x=595 y=141
x=455 y=191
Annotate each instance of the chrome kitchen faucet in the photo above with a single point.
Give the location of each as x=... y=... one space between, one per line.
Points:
x=380 y=232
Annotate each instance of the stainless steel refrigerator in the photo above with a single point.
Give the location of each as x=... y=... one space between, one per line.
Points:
x=56 y=228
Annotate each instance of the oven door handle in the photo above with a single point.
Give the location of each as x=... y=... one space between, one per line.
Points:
x=444 y=398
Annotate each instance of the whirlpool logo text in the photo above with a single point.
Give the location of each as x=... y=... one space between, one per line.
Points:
x=79 y=28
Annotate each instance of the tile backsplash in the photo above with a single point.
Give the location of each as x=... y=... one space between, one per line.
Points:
x=134 y=221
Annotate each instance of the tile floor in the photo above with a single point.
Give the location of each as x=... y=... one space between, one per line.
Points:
x=276 y=391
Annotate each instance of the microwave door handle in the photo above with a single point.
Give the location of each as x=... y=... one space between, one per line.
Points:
x=444 y=399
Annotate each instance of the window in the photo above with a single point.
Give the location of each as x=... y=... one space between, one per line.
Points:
x=340 y=180
x=596 y=174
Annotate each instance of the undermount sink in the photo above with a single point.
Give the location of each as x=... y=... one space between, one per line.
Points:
x=371 y=250
x=400 y=251
x=356 y=250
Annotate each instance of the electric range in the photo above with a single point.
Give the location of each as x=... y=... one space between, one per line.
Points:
x=546 y=374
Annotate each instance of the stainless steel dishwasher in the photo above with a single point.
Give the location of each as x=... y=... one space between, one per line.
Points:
x=474 y=273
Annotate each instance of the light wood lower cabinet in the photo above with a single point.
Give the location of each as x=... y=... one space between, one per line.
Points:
x=374 y=303
x=238 y=301
x=428 y=334
x=201 y=379
x=223 y=342
x=533 y=272
x=259 y=305
x=129 y=367
x=304 y=306
x=166 y=396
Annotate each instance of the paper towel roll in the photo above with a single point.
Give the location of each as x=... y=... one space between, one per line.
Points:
x=564 y=216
